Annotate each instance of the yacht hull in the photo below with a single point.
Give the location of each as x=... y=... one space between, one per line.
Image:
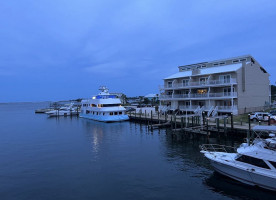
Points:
x=246 y=176
x=114 y=118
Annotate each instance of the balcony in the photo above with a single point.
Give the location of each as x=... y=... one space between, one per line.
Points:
x=222 y=95
x=197 y=84
x=206 y=108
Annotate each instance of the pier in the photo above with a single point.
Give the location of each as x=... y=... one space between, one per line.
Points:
x=200 y=125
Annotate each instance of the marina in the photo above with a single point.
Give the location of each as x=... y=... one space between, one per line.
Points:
x=86 y=158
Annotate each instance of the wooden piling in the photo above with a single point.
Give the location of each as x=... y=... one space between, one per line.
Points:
x=182 y=125
x=232 y=123
x=224 y=126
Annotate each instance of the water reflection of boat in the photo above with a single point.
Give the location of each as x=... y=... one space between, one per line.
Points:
x=253 y=164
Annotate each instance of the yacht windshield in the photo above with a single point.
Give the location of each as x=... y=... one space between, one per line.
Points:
x=253 y=161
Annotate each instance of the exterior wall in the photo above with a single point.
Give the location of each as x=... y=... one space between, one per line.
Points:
x=256 y=85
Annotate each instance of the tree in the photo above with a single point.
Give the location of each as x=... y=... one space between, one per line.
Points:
x=146 y=101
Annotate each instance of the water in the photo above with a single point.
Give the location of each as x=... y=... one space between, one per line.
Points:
x=74 y=158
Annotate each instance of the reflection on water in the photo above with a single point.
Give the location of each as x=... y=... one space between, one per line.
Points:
x=75 y=158
x=229 y=187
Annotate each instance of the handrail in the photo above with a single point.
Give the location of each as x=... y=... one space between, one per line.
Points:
x=217 y=148
x=197 y=83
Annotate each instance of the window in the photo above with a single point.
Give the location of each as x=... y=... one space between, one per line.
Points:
x=169 y=84
x=115 y=113
x=215 y=64
x=235 y=61
x=111 y=113
x=202 y=91
x=253 y=161
x=120 y=113
x=227 y=91
x=110 y=105
x=222 y=63
x=203 y=81
x=93 y=105
x=103 y=113
x=185 y=82
x=243 y=59
x=87 y=111
x=273 y=163
x=225 y=78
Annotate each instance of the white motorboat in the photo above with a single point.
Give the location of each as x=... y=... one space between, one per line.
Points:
x=253 y=164
x=63 y=111
x=103 y=107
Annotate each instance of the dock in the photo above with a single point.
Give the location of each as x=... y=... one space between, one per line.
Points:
x=200 y=125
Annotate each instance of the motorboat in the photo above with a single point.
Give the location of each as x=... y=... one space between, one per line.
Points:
x=103 y=107
x=251 y=163
x=63 y=111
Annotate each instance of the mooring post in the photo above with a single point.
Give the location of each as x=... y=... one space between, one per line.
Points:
x=232 y=123
x=175 y=121
x=249 y=130
x=207 y=125
x=145 y=114
x=217 y=119
x=171 y=123
x=225 y=125
x=151 y=117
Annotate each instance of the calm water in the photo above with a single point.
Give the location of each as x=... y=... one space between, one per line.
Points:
x=74 y=158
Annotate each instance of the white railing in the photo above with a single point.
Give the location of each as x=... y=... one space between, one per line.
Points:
x=184 y=107
x=227 y=108
x=199 y=96
x=197 y=83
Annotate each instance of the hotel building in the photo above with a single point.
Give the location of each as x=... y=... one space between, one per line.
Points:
x=234 y=85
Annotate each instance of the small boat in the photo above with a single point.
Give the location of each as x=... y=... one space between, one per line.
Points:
x=104 y=107
x=253 y=164
x=63 y=111
x=43 y=110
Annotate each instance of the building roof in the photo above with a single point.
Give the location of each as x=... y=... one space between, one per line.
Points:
x=208 y=70
x=151 y=95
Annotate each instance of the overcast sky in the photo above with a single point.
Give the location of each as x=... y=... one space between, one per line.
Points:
x=65 y=49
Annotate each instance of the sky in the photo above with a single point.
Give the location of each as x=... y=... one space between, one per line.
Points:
x=65 y=49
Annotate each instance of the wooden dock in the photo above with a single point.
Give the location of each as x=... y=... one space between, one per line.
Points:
x=193 y=124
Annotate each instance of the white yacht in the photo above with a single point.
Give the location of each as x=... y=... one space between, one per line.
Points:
x=253 y=164
x=63 y=111
x=103 y=107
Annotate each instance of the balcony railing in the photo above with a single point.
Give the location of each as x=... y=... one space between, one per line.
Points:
x=194 y=107
x=200 y=84
x=200 y=96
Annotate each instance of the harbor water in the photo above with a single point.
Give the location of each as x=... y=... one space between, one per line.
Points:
x=74 y=158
